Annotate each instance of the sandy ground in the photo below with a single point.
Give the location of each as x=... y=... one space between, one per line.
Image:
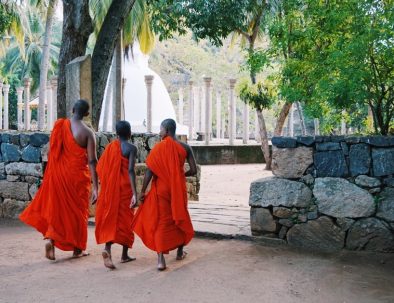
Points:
x=229 y=184
x=214 y=271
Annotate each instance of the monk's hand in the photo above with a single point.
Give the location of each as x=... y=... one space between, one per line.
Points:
x=93 y=197
x=134 y=201
x=142 y=197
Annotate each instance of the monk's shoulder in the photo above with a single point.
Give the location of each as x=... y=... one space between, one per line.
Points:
x=128 y=149
x=185 y=146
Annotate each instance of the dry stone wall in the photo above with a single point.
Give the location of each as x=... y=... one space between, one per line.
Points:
x=328 y=193
x=23 y=157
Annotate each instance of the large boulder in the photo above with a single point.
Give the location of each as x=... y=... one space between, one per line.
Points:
x=24 y=169
x=366 y=181
x=273 y=191
x=320 y=234
x=330 y=164
x=14 y=190
x=291 y=163
x=359 y=159
x=39 y=139
x=261 y=220
x=370 y=234
x=386 y=205
x=284 y=142
x=10 y=152
x=31 y=154
x=383 y=161
x=12 y=208
x=339 y=198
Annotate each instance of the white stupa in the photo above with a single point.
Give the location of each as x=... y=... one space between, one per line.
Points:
x=135 y=97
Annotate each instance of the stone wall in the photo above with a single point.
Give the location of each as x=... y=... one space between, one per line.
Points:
x=328 y=193
x=23 y=157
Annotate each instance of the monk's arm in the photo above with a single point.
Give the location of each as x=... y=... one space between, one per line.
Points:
x=192 y=163
x=147 y=178
x=92 y=158
x=132 y=156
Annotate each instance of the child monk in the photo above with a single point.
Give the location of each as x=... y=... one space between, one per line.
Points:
x=117 y=196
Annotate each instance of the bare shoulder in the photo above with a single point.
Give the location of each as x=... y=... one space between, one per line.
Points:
x=185 y=146
x=130 y=147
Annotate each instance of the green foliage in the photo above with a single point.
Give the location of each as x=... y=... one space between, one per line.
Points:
x=256 y=60
x=260 y=95
x=5 y=19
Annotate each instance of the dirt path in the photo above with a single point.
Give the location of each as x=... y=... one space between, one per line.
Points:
x=214 y=271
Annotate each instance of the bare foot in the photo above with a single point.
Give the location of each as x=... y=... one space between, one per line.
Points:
x=50 y=251
x=107 y=260
x=161 y=262
x=79 y=253
x=182 y=256
x=128 y=259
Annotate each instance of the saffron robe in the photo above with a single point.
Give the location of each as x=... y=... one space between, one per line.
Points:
x=60 y=208
x=113 y=213
x=163 y=221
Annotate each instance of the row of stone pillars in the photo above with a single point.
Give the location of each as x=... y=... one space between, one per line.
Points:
x=24 y=106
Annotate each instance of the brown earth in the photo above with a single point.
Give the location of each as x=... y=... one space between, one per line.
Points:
x=214 y=271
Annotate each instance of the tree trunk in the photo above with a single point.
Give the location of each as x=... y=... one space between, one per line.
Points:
x=44 y=63
x=77 y=27
x=302 y=120
x=264 y=142
x=282 y=119
x=104 y=51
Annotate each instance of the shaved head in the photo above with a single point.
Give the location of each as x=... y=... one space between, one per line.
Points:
x=81 y=108
x=170 y=126
x=123 y=129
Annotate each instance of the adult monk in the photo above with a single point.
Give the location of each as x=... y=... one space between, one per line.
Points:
x=60 y=208
x=163 y=221
x=118 y=195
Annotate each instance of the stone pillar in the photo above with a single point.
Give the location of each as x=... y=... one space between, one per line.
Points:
x=207 y=81
x=202 y=108
x=1 y=104
x=49 y=94
x=54 y=101
x=317 y=126
x=27 y=82
x=118 y=56
x=245 y=124
x=290 y=121
x=79 y=83
x=6 y=90
x=149 y=82
x=19 y=92
x=180 y=106
x=232 y=119
x=196 y=104
x=122 y=110
x=191 y=110
x=218 y=115
x=343 y=123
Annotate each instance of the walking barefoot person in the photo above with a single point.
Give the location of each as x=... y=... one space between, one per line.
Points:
x=118 y=195
x=60 y=208
x=162 y=221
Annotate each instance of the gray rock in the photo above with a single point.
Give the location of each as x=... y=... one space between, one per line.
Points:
x=379 y=141
x=352 y=140
x=273 y=191
x=330 y=164
x=14 y=190
x=291 y=163
x=10 y=152
x=373 y=191
x=31 y=154
x=383 y=161
x=389 y=182
x=14 y=139
x=12 y=208
x=370 y=234
x=282 y=212
x=32 y=180
x=336 y=139
x=33 y=190
x=308 y=179
x=345 y=223
x=338 y=197
x=284 y=142
x=286 y=222
x=359 y=159
x=302 y=218
x=320 y=234
x=152 y=141
x=5 y=138
x=345 y=148
x=386 y=205
x=261 y=220
x=326 y=146
x=312 y=215
x=24 y=169
x=44 y=152
x=103 y=141
x=306 y=140
x=24 y=139
x=366 y=181
x=12 y=178
x=283 y=232
x=319 y=139
x=39 y=139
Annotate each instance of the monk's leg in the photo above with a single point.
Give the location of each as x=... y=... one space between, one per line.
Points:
x=107 y=256
x=125 y=255
x=78 y=253
x=50 y=250
x=181 y=254
x=161 y=262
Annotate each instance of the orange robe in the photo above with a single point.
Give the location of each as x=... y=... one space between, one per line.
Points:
x=163 y=221
x=60 y=208
x=113 y=213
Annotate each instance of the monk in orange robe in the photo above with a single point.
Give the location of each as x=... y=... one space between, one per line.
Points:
x=162 y=221
x=118 y=195
x=60 y=208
